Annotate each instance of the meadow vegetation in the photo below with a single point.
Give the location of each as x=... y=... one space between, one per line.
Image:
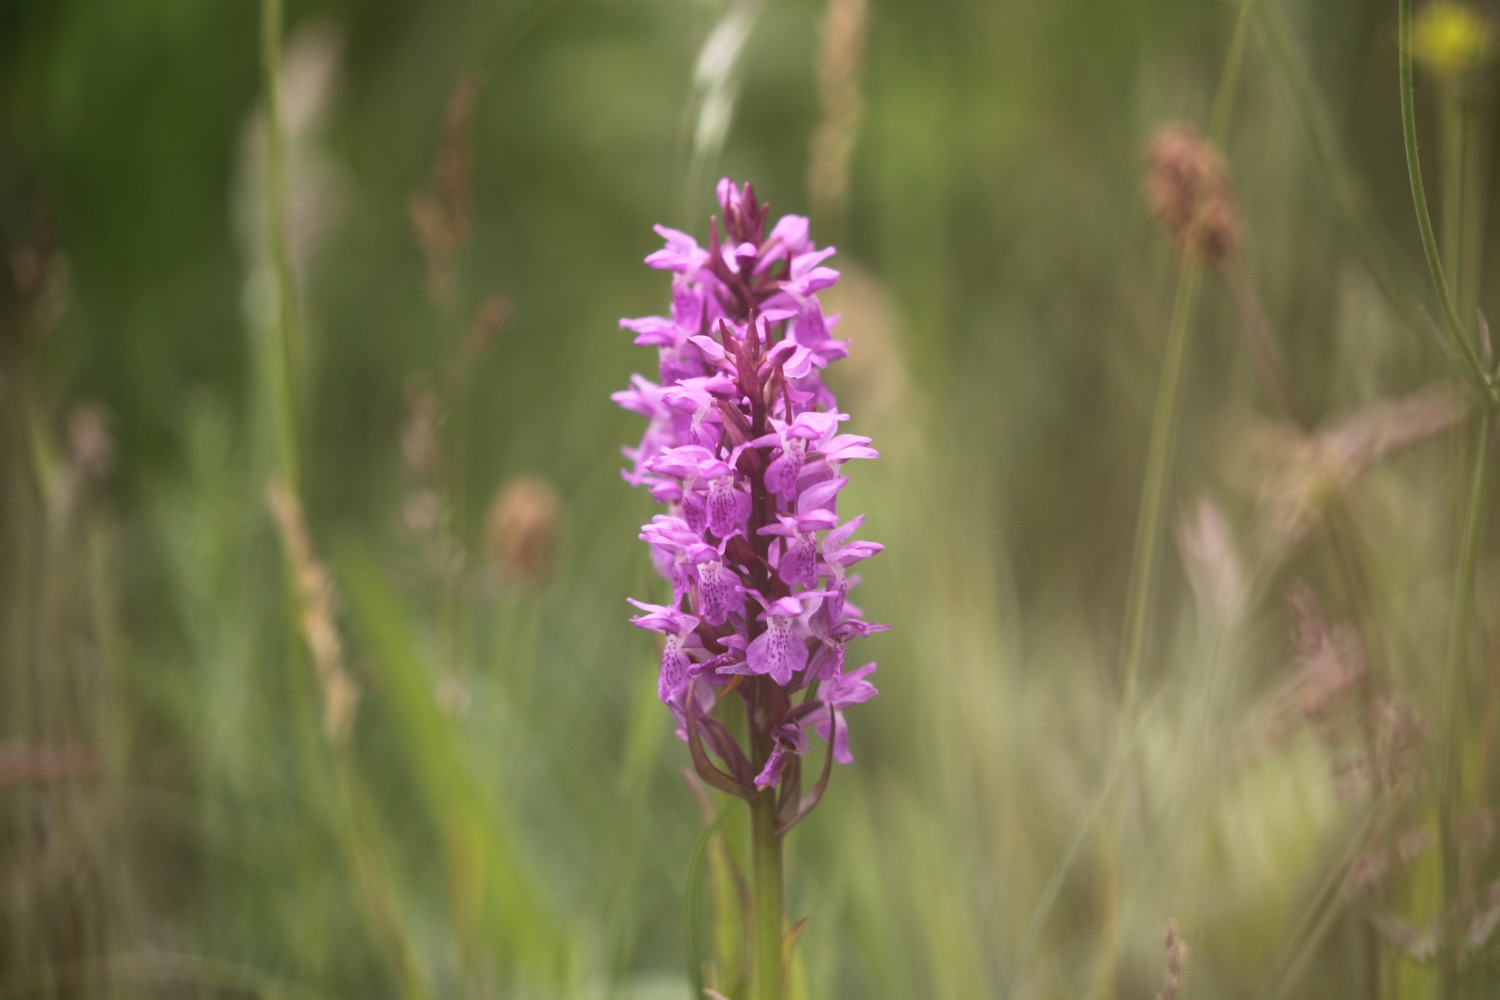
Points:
x=316 y=675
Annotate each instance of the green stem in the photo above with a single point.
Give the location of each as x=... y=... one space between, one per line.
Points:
x=1229 y=80
x=1472 y=132
x=1153 y=493
x=1142 y=584
x=698 y=861
x=1450 y=118
x=1260 y=343
x=1459 y=628
x=765 y=863
x=1341 y=186
x=1419 y=198
x=282 y=339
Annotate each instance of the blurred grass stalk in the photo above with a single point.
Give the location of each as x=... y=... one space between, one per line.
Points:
x=1342 y=186
x=1461 y=189
x=1454 y=714
x=59 y=901
x=330 y=776
x=1139 y=598
x=1482 y=378
x=716 y=86
x=281 y=343
x=841 y=51
x=1159 y=460
x=490 y=886
x=1145 y=554
x=491 y=894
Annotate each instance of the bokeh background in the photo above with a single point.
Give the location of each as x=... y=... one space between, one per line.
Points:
x=385 y=730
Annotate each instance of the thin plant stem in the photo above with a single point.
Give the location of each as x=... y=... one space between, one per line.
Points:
x=1053 y=889
x=1459 y=629
x=698 y=861
x=1143 y=583
x=281 y=339
x=1234 y=61
x=1451 y=126
x=1153 y=493
x=1313 y=925
x=1458 y=184
x=1343 y=189
x=1260 y=343
x=1419 y=199
x=1487 y=727
x=1471 y=243
x=765 y=865
x=1343 y=548
x=277 y=362
x=355 y=826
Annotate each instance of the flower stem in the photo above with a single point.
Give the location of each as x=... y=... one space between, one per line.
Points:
x=1454 y=325
x=1451 y=127
x=765 y=863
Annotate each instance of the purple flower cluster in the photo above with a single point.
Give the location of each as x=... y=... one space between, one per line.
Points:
x=744 y=448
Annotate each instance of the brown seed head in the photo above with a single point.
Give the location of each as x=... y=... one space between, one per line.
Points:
x=1176 y=955
x=521 y=528
x=420 y=448
x=443 y=217
x=92 y=444
x=1187 y=185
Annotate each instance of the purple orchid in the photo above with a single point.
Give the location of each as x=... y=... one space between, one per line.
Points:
x=799 y=559
x=744 y=448
x=850 y=689
x=679 y=628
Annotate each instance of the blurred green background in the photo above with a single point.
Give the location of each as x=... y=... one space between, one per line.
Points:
x=469 y=191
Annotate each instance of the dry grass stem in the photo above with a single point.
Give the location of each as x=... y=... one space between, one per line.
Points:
x=421 y=449
x=444 y=217
x=493 y=313
x=1260 y=342
x=841 y=50
x=317 y=602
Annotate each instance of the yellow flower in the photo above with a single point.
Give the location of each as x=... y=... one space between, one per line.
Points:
x=1452 y=40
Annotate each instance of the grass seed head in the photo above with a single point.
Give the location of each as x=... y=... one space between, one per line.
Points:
x=1187 y=185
